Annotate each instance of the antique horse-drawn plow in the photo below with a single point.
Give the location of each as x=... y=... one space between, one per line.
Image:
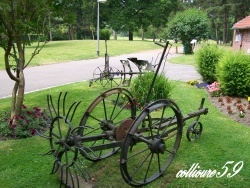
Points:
x=148 y=141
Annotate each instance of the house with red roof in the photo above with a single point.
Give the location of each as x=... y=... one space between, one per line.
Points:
x=241 y=36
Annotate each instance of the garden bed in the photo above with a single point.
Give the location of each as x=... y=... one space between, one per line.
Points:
x=232 y=107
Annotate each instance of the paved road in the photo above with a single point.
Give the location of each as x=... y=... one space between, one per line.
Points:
x=47 y=76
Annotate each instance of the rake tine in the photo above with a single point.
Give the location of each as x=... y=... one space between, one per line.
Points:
x=48 y=153
x=81 y=172
x=48 y=101
x=41 y=134
x=64 y=99
x=71 y=178
x=55 y=167
x=69 y=111
x=66 y=183
x=62 y=176
x=58 y=103
x=74 y=110
x=52 y=105
x=77 y=179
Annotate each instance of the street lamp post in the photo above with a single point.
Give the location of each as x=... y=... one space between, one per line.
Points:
x=98 y=26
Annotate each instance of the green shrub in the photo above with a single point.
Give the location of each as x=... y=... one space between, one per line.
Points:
x=233 y=74
x=25 y=125
x=105 y=34
x=207 y=59
x=141 y=84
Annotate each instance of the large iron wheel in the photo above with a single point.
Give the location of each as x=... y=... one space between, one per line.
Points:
x=107 y=76
x=104 y=117
x=151 y=143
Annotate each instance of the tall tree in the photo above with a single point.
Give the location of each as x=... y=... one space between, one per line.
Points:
x=131 y=15
x=18 y=19
x=188 y=25
x=223 y=14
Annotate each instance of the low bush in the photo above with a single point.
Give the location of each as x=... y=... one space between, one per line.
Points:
x=233 y=73
x=207 y=59
x=105 y=34
x=25 y=125
x=141 y=84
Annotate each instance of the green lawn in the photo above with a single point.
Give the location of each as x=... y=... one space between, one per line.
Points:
x=63 y=51
x=223 y=140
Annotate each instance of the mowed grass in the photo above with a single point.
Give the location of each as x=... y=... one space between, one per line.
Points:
x=222 y=141
x=64 y=51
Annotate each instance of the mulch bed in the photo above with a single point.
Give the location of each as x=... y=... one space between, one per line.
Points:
x=232 y=107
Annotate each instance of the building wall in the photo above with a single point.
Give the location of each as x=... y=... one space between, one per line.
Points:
x=241 y=40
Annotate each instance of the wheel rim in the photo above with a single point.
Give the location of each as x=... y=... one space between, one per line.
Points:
x=98 y=74
x=105 y=114
x=194 y=131
x=148 y=148
x=112 y=78
x=107 y=77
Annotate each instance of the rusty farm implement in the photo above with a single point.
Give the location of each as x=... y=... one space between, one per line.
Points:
x=148 y=141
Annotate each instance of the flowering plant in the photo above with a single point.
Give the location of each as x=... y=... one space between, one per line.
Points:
x=214 y=89
x=25 y=125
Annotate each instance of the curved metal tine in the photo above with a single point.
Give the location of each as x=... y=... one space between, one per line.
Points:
x=48 y=102
x=52 y=106
x=84 y=150
x=81 y=127
x=74 y=110
x=76 y=177
x=80 y=169
x=55 y=167
x=67 y=175
x=49 y=152
x=41 y=134
x=72 y=105
x=72 y=178
x=64 y=99
x=62 y=177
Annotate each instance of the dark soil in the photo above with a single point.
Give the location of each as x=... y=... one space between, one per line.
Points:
x=232 y=107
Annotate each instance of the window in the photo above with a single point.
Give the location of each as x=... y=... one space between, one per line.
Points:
x=238 y=38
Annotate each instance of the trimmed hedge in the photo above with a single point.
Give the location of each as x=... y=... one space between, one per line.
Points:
x=233 y=74
x=207 y=59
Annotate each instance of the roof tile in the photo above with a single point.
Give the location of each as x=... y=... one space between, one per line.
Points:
x=242 y=24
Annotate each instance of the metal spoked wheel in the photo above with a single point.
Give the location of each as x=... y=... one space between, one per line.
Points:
x=110 y=113
x=151 y=143
x=107 y=77
x=194 y=131
x=62 y=148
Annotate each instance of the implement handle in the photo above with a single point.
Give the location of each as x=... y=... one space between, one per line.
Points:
x=159 y=44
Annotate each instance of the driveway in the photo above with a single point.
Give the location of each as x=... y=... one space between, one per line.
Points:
x=46 y=76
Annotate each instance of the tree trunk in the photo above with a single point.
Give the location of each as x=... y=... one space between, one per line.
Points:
x=19 y=87
x=187 y=47
x=115 y=35
x=225 y=21
x=71 y=32
x=142 y=34
x=50 y=31
x=130 y=35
